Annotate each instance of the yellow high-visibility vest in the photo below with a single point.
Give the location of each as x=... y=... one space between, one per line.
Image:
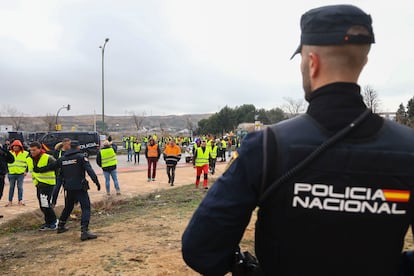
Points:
x=137 y=147
x=108 y=157
x=46 y=177
x=202 y=157
x=19 y=165
x=213 y=151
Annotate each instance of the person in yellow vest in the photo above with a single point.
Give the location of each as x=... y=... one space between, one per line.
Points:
x=223 y=150
x=172 y=154
x=44 y=183
x=17 y=171
x=152 y=153
x=106 y=159
x=128 y=147
x=145 y=139
x=200 y=161
x=196 y=145
x=137 y=151
x=213 y=156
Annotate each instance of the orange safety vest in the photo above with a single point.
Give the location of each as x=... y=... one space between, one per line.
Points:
x=153 y=150
x=172 y=150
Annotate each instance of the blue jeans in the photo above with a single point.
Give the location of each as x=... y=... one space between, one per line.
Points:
x=114 y=176
x=13 y=179
x=129 y=154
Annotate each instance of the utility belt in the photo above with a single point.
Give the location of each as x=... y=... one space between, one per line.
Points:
x=245 y=264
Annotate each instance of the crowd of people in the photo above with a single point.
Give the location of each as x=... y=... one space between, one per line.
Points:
x=65 y=168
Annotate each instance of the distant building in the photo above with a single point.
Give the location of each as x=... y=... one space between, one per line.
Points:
x=388 y=115
x=6 y=128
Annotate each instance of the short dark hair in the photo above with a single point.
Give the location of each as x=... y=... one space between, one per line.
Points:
x=35 y=144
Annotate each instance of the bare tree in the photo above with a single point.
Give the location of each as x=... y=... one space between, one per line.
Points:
x=294 y=106
x=49 y=120
x=16 y=117
x=371 y=99
x=138 y=120
x=190 y=124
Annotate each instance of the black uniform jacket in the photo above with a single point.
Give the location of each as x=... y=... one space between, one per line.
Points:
x=347 y=213
x=5 y=158
x=72 y=165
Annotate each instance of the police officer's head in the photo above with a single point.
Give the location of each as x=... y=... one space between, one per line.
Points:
x=74 y=144
x=334 y=45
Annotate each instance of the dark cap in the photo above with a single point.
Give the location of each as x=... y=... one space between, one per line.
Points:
x=329 y=25
x=74 y=143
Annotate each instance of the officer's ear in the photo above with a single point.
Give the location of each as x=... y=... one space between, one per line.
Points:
x=314 y=64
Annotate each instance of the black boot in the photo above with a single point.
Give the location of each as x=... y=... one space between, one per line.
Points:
x=61 y=227
x=85 y=235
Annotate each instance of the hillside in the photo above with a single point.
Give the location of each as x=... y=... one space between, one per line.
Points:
x=119 y=124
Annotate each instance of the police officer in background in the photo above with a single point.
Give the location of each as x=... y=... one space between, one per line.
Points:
x=346 y=212
x=73 y=165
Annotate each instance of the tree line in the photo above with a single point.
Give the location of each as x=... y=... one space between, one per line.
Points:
x=405 y=114
x=227 y=119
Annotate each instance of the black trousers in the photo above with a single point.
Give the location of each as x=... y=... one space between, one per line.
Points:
x=136 y=157
x=2 y=177
x=223 y=156
x=171 y=173
x=73 y=196
x=44 y=195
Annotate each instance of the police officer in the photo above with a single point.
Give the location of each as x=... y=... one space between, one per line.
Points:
x=73 y=165
x=346 y=212
x=5 y=158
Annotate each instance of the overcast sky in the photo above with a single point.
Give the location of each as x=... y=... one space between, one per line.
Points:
x=179 y=56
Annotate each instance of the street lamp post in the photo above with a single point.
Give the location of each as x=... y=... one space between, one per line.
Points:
x=67 y=107
x=103 y=85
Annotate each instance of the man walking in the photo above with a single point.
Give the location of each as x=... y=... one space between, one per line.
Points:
x=172 y=154
x=213 y=156
x=200 y=162
x=44 y=183
x=106 y=159
x=152 y=153
x=223 y=149
x=73 y=166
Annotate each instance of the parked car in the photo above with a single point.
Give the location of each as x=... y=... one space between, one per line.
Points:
x=188 y=152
